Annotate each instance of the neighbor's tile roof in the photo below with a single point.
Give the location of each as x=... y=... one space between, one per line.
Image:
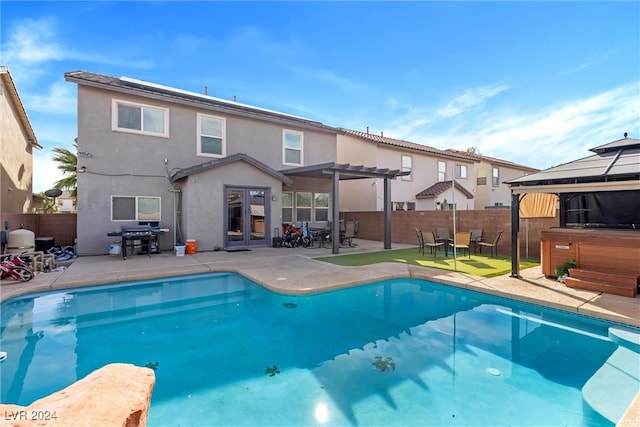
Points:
x=439 y=188
x=380 y=139
x=492 y=160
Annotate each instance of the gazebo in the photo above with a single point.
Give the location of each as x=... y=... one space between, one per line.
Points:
x=599 y=203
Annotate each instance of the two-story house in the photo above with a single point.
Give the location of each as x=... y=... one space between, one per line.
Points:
x=220 y=172
x=429 y=184
x=17 y=140
x=491 y=192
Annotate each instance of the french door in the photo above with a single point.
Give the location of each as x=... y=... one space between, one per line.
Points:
x=246 y=216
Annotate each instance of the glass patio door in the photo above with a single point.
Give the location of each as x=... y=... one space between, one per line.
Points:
x=246 y=216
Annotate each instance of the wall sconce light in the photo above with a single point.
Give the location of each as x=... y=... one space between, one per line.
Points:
x=84 y=154
x=82 y=169
x=274 y=198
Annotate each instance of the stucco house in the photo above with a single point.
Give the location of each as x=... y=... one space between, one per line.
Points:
x=219 y=172
x=491 y=175
x=17 y=140
x=428 y=184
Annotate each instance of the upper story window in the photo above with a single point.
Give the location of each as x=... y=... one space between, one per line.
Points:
x=211 y=136
x=140 y=118
x=292 y=147
x=481 y=178
x=406 y=167
x=461 y=171
x=495 y=180
x=135 y=208
x=442 y=171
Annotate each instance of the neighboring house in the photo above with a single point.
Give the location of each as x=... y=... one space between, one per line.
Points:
x=222 y=173
x=491 y=192
x=17 y=140
x=65 y=202
x=428 y=186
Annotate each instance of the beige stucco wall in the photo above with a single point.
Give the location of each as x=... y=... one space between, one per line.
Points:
x=204 y=194
x=16 y=163
x=124 y=163
x=488 y=195
x=368 y=194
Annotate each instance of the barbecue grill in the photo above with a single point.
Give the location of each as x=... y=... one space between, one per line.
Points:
x=130 y=233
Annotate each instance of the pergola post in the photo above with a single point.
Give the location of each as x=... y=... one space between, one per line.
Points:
x=515 y=227
x=335 y=216
x=387 y=214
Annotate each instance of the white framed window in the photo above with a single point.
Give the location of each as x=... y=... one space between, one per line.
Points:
x=287 y=207
x=139 y=118
x=292 y=147
x=303 y=206
x=211 y=136
x=442 y=171
x=495 y=177
x=461 y=171
x=406 y=167
x=481 y=178
x=321 y=206
x=135 y=208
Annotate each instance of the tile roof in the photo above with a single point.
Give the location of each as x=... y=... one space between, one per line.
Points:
x=380 y=139
x=439 y=188
x=492 y=160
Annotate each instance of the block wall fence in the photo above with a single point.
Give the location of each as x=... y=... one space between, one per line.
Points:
x=62 y=226
x=403 y=224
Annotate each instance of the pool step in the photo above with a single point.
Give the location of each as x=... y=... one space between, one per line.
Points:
x=613 y=387
x=625 y=337
x=610 y=282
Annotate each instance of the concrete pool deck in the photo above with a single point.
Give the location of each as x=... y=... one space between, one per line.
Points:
x=295 y=271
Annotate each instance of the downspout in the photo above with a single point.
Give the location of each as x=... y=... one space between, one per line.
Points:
x=177 y=206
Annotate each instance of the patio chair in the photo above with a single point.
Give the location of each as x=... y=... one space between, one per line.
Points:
x=442 y=235
x=420 y=240
x=476 y=236
x=430 y=240
x=349 y=233
x=492 y=244
x=462 y=241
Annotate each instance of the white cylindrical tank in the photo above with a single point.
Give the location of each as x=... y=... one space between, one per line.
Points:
x=21 y=240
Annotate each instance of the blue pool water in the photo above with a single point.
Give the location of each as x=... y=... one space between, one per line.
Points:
x=399 y=352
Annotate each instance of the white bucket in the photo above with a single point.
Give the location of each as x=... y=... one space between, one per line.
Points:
x=179 y=250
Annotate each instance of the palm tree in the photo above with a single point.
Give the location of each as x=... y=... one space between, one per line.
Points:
x=67 y=163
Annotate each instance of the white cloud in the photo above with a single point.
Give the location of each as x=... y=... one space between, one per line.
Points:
x=541 y=138
x=469 y=99
x=35 y=41
x=60 y=99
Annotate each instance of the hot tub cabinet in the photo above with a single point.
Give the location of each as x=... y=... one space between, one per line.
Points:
x=606 y=260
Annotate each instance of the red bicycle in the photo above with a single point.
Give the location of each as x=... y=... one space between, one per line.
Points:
x=16 y=268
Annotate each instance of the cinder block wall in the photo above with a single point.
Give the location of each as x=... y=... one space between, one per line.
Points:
x=60 y=226
x=403 y=223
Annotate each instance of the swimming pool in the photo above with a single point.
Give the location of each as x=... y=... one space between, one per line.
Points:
x=229 y=352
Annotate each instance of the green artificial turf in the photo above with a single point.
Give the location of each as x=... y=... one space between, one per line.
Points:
x=477 y=265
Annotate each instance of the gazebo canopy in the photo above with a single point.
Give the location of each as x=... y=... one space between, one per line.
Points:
x=613 y=171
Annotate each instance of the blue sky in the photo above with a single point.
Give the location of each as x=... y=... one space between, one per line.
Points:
x=536 y=83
